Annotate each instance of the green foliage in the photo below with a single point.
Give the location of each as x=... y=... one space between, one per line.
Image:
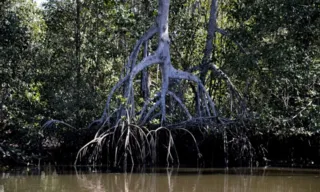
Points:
x=44 y=76
x=21 y=32
x=282 y=65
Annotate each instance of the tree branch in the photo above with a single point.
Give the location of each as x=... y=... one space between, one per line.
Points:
x=181 y=104
x=134 y=54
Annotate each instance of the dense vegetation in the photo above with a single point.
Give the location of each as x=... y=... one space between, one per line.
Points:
x=61 y=62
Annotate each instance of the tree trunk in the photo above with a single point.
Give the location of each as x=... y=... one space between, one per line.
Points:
x=145 y=81
x=208 y=51
x=162 y=57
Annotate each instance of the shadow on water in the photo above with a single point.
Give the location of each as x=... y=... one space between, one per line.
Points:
x=161 y=179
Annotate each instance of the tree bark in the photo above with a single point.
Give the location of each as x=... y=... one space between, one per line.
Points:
x=161 y=57
x=208 y=50
x=145 y=81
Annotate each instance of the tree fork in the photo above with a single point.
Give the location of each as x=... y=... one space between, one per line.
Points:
x=123 y=132
x=161 y=57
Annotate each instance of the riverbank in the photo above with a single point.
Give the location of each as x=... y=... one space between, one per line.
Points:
x=218 y=149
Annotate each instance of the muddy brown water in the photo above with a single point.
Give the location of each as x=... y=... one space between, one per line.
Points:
x=163 y=180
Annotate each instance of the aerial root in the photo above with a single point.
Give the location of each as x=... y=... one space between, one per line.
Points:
x=181 y=104
x=161 y=57
x=132 y=144
x=52 y=122
x=121 y=132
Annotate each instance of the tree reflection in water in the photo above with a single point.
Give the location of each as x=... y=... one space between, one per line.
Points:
x=173 y=179
x=131 y=181
x=164 y=180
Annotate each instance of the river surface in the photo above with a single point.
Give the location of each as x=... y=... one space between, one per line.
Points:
x=163 y=180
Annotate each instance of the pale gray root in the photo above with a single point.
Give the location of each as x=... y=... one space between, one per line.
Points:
x=162 y=57
x=177 y=74
x=198 y=106
x=145 y=81
x=146 y=62
x=133 y=57
x=232 y=89
x=144 y=120
x=164 y=89
x=196 y=121
x=183 y=106
x=119 y=142
x=152 y=59
x=114 y=88
x=132 y=140
x=145 y=105
x=194 y=140
x=127 y=147
x=208 y=50
x=83 y=150
x=155 y=116
x=132 y=137
x=54 y=121
x=131 y=62
x=196 y=99
x=170 y=146
x=127 y=139
x=220 y=73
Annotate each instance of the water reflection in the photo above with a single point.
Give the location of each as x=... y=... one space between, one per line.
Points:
x=160 y=180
